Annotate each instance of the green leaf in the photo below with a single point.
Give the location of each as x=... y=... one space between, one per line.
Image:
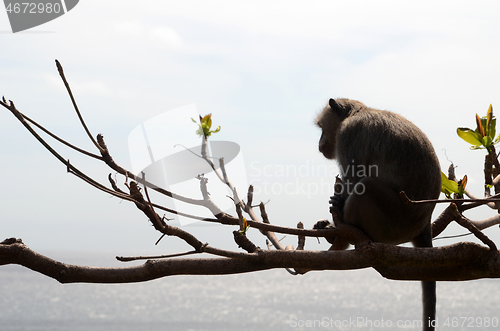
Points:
x=470 y=136
x=207 y=121
x=493 y=125
x=199 y=132
x=497 y=140
x=244 y=227
x=487 y=141
x=205 y=125
x=448 y=186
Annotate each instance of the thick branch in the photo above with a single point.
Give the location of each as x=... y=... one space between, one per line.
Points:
x=466 y=260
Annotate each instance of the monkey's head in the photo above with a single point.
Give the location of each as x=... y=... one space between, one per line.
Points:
x=329 y=121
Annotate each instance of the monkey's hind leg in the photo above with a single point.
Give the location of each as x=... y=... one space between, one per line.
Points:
x=336 y=209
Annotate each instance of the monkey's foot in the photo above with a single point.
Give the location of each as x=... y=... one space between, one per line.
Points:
x=322 y=224
x=337 y=243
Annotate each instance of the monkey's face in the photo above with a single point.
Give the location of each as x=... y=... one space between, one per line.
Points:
x=329 y=124
x=326 y=146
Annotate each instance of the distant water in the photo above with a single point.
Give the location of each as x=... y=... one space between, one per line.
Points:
x=268 y=300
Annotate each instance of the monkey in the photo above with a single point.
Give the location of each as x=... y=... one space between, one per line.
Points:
x=380 y=154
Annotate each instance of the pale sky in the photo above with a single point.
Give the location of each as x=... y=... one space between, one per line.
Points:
x=264 y=69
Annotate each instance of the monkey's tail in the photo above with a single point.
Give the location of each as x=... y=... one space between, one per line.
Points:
x=429 y=305
x=428 y=287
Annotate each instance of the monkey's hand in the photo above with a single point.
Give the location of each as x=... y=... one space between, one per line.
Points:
x=337 y=202
x=337 y=208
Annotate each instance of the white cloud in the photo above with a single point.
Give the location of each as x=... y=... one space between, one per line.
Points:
x=79 y=86
x=166 y=36
x=156 y=35
x=130 y=28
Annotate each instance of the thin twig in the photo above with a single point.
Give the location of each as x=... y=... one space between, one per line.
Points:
x=407 y=200
x=113 y=165
x=167 y=256
x=469 y=225
x=250 y=196
x=157 y=218
x=61 y=73
x=12 y=107
x=224 y=173
x=61 y=140
x=99 y=185
x=302 y=239
x=263 y=213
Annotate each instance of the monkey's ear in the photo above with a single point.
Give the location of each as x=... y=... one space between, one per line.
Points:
x=341 y=112
x=334 y=105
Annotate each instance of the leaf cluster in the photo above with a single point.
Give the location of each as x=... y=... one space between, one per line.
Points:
x=450 y=186
x=484 y=134
x=205 y=125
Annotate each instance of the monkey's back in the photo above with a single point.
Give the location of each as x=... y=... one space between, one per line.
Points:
x=392 y=148
x=394 y=153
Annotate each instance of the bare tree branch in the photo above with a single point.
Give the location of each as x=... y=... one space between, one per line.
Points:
x=66 y=84
x=462 y=261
